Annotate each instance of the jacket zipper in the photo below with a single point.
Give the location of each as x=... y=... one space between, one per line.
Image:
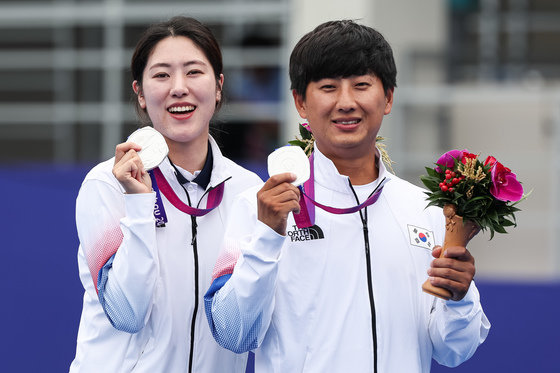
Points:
x=364 y=218
x=194 y=244
x=193 y=322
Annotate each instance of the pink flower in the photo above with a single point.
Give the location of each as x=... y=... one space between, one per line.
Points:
x=448 y=159
x=505 y=186
x=306 y=126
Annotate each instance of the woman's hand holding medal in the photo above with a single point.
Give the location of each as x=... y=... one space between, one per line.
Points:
x=144 y=150
x=129 y=170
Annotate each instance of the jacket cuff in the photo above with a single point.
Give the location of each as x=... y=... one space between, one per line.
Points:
x=267 y=242
x=140 y=206
x=466 y=307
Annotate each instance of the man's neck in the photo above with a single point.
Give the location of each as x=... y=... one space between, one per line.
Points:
x=360 y=169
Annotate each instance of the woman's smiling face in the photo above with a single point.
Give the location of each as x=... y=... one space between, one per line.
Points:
x=179 y=90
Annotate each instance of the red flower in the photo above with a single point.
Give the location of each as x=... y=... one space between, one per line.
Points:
x=505 y=186
x=466 y=155
x=490 y=161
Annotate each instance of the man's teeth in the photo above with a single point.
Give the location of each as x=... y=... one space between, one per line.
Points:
x=347 y=122
x=181 y=109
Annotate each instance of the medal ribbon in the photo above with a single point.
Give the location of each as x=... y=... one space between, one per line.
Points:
x=159 y=183
x=306 y=216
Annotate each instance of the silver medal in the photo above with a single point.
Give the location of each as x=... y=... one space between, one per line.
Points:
x=154 y=148
x=289 y=159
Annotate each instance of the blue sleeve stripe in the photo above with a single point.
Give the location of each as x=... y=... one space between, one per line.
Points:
x=102 y=278
x=217 y=284
x=229 y=333
x=117 y=309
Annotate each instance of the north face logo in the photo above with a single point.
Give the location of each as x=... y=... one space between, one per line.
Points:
x=306 y=234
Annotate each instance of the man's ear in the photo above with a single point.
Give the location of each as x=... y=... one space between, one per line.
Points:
x=138 y=90
x=299 y=102
x=389 y=100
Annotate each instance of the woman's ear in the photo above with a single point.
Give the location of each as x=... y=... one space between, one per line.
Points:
x=138 y=90
x=219 y=87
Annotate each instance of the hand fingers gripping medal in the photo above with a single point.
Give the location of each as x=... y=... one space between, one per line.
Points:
x=293 y=159
x=154 y=148
x=289 y=159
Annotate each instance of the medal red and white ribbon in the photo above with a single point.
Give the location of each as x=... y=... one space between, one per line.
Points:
x=307 y=203
x=215 y=195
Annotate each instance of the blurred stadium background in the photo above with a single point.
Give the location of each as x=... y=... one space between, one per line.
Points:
x=476 y=74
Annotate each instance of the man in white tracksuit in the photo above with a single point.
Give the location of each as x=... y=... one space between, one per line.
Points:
x=343 y=295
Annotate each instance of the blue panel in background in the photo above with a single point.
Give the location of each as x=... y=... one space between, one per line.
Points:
x=40 y=289
x=525 y=333
x=42 y=294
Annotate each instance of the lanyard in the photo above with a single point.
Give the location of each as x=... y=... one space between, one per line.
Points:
x=307 y=203
x=159 y=183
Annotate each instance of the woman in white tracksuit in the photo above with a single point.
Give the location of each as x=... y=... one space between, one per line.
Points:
x=343 y=293
x=144 y=277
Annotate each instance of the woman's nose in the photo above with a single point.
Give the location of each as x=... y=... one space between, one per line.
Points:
x=179 y=88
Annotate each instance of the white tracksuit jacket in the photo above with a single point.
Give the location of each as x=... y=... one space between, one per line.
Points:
x=155 y=277
x=304 y=299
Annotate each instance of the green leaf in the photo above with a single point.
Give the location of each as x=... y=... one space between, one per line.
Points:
x=304 y=132
x=499 y=229
x=507 y=223
x=434 y=203
x=433 y=173
x=493 y=215
x=430 y=183
x=299 y=143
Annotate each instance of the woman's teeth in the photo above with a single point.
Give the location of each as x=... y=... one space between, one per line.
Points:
x=181 y=109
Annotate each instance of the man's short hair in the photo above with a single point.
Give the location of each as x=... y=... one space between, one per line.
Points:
x=340 y=49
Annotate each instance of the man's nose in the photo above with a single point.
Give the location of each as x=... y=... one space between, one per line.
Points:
x=346 y=101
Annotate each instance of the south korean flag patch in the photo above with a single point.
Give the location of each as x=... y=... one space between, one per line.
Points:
x=421 y=237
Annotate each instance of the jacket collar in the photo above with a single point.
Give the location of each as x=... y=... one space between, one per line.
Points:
x=213 y=172
x=328 y=176
x=203 y=177
x=220 y=169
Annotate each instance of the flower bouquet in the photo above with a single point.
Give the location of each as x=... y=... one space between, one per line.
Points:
x=474 y=196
